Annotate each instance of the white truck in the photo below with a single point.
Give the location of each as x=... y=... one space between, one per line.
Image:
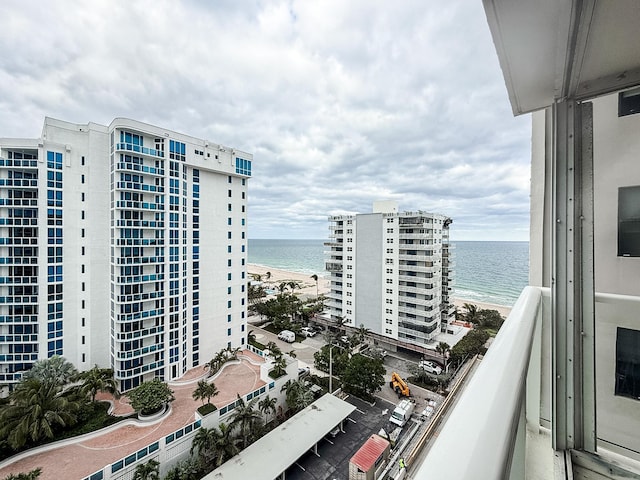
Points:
x=402 y=413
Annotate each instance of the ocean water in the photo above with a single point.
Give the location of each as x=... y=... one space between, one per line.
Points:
x=490 y=272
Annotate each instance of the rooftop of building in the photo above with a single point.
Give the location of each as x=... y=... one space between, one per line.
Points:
x=87 y=454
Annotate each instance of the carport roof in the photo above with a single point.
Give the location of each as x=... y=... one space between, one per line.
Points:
x=279 y=449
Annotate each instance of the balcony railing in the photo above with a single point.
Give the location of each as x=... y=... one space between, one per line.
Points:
x=504 y=414
x=491 y=407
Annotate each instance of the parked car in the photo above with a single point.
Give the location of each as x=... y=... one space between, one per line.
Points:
x=287 y=336
x=426 y=413
x=377 y=352
x=308 y=331
x=430 y=367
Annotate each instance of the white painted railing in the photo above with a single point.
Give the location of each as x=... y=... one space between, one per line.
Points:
x=479 y=438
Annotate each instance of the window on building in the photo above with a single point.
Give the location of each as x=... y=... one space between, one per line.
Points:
x=629 y=102
x=628 y=363
x=629 y=221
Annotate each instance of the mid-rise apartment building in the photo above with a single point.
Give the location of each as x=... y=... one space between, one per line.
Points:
x=391 y=272
x=122 y=246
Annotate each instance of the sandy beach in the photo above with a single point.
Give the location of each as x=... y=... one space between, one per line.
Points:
x=309 y=286
x=278 y=276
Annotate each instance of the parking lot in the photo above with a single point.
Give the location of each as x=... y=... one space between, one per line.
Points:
x=334 y=453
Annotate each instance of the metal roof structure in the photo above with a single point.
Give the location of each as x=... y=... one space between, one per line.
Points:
x=555 y=49
x=269 y=457
x=366 y=457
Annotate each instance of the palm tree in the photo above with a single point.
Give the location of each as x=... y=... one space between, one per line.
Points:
x=32 y=475
x=293 y=284
x=267 y=405
x=282 y=287
x=55 y=369
x=226 y=445
x=147 y=471
x=205 y=390
x=268 y=275
x=298 y=395
x=36 y=409
x=442 y=348
x=246 y=419
x=205 y=443
x=232 y=353
x=251 y=337
x=315 y=278
x=98 y=380
x=471 y=314
x=361 y=333
x=216 y=362
x=274 y=350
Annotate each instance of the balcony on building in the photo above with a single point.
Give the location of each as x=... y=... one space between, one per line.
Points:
x=557 y=396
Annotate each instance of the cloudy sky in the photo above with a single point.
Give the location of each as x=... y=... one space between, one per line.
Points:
x=340 y=102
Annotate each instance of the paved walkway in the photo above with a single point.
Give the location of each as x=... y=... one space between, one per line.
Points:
x=84 y=458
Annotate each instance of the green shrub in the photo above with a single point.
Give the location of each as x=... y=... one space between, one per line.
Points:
x=149 y=397
x=275 y=374
x=207 y=409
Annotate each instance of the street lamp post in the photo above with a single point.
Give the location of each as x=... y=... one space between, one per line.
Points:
x=330 y=369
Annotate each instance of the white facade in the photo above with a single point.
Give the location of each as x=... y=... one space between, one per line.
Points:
x=615 y=167
x=391 y=272
x=141 y=265
x=558 y=393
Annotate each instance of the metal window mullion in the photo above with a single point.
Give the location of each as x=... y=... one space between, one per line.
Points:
x=573 y=279
x=563 y=276
x=585 y=331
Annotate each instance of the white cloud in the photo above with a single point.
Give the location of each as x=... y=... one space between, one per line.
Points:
x=342 y=103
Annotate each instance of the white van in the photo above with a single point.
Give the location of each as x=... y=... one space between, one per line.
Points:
x=287 y=336
x=402 y=413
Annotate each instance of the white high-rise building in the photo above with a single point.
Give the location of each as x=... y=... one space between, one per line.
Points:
x=391 y=272
x=122 y=246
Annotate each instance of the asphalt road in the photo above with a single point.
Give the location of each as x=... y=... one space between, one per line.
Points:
x=393 y=363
